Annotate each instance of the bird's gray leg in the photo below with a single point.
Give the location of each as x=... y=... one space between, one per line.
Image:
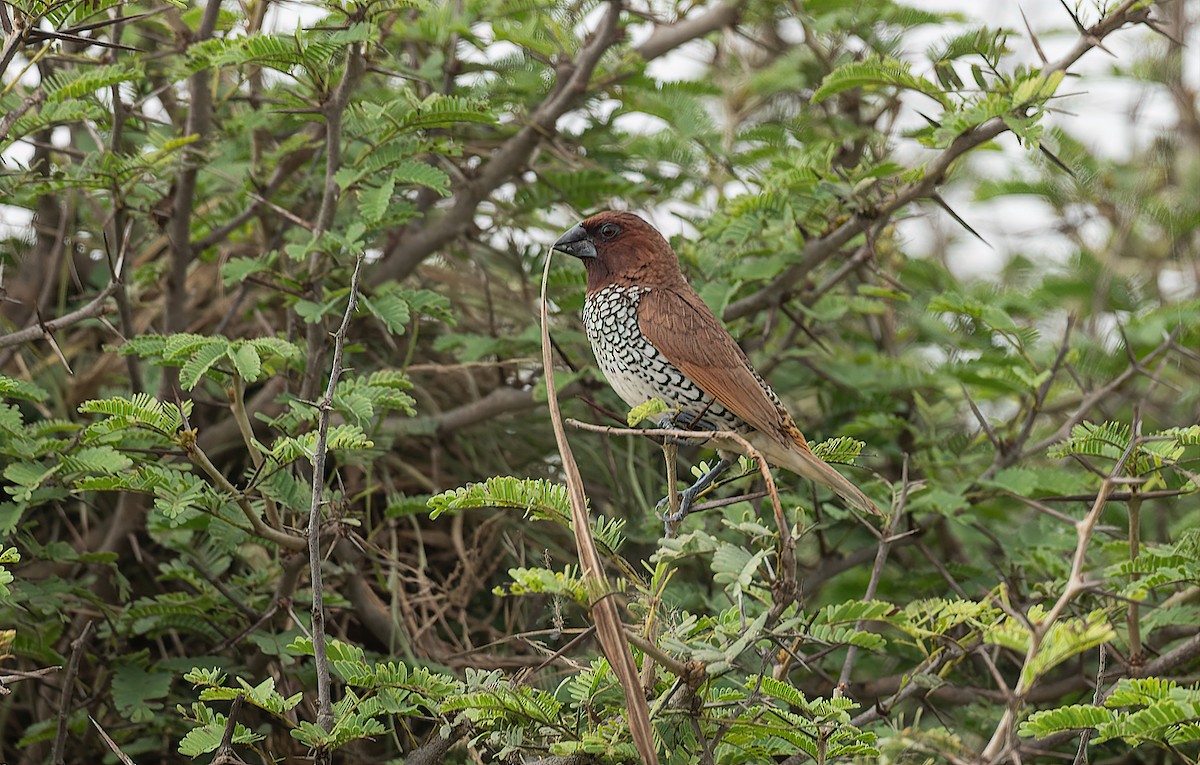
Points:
x=687 y=421
x=688 y=495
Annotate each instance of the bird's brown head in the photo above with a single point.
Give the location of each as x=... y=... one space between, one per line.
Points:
x=620 y=248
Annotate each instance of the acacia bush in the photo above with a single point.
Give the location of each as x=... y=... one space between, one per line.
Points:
x=255 y=238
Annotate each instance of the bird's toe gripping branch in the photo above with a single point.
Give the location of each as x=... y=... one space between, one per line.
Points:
x=688 y=496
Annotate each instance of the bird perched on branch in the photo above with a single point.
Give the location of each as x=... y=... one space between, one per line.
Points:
x=655 y=338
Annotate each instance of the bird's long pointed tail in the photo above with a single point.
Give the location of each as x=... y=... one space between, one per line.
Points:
x=800 y=460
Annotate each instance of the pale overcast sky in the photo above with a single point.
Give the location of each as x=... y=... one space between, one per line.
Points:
x=1101 y=116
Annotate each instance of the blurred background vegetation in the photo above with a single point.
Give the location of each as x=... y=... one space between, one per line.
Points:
x=186 y=190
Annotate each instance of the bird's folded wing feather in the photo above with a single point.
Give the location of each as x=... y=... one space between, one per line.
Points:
x=683 y=329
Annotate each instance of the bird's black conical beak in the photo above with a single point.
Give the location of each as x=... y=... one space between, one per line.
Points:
x=576 y=242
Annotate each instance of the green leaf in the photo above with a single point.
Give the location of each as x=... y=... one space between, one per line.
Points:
x=247 y=362
x=373 y=201
x=539 y=499
x=20 y=389
x=202 y=360
x=645 y=411
x=78 y=82
x=421 y=174
x=137 y=692
x=237 y=270
x=877 y=72
x=391 y=309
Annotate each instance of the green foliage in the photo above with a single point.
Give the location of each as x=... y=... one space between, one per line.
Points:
x=1060 y=640
x=880 y=72
x=1138 y=711
x=645 y=411
x=540 y=500
x=199 y=357
x=157 y=445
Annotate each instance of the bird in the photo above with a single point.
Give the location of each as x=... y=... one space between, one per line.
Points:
x=655 y=338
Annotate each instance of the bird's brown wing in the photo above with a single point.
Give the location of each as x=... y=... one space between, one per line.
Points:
x=683 y=329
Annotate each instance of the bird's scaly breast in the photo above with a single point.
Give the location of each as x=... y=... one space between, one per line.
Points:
x=636 y=370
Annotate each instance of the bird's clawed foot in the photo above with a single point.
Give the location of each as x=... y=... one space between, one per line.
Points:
x=671 y=520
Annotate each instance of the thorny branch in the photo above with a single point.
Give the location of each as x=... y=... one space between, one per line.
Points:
x=325 y=409
x=68 y=691
x=46 y=329
x=1001 y=738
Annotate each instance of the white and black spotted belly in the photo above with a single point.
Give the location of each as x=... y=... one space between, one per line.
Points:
x=636 y=370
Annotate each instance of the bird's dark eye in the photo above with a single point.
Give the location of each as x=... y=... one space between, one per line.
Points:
x=609 y=230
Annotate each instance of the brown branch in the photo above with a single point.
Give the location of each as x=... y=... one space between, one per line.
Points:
x=1176 y=657
x=224 y=754
x=46 y=329
x=572 y=82
x=667 y=38
x=179 y=227
x=434 y=750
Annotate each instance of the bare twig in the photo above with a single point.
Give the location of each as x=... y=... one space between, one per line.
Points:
x=16 y=676
x=124 y=758
x=64 y=703
x=334 y=110
x=325 y=409
x=881 y=556
x=46 y=329
x=1100 y=394
x=1084 y=530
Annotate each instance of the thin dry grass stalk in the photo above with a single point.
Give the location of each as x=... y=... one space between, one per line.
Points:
x=609 y=628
